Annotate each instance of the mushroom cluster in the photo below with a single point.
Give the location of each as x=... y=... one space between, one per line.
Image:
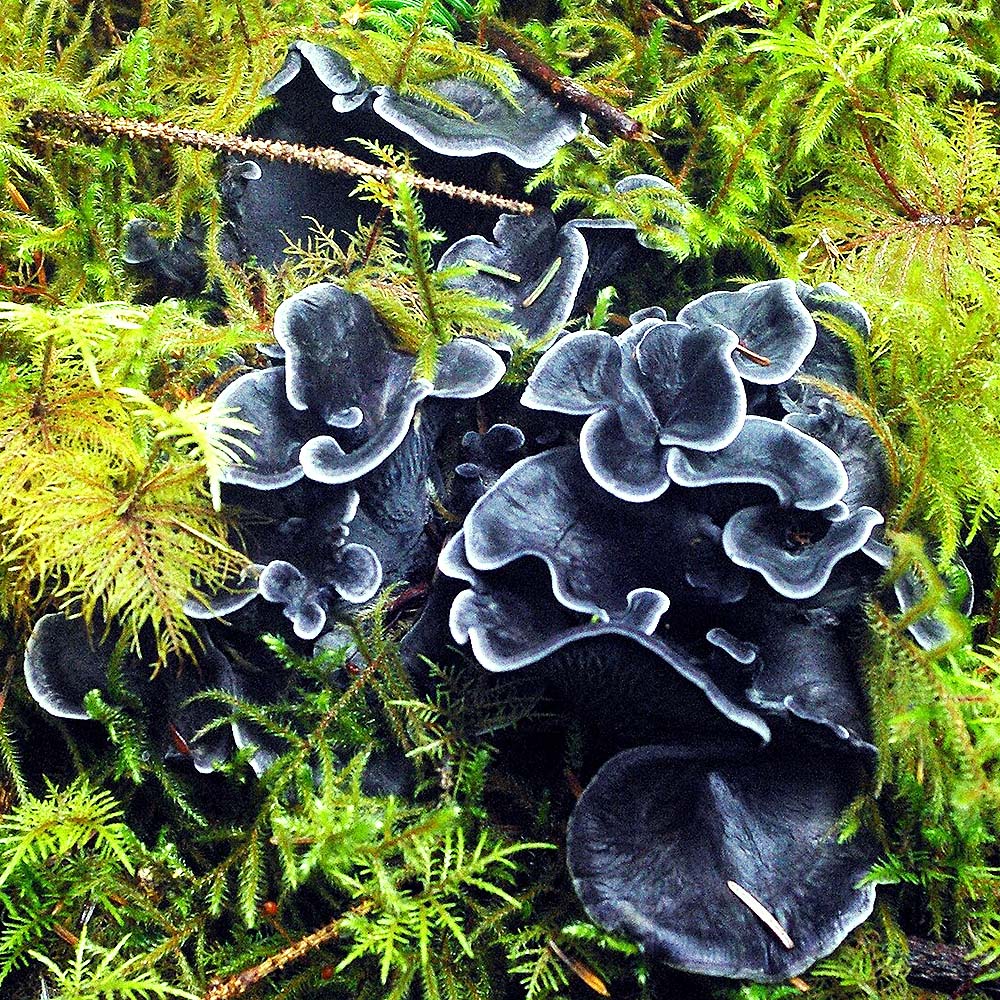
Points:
x=691 y=566
x=343 y=410
x=682 y=554
x=672 y=526
x=322 y=101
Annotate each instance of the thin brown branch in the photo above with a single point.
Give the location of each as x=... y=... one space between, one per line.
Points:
x=317 y=157
x=563 y=88
x=945 y=969
x=242 y=21
x=738 y=159
x=238 y=984
x=8 y=677
x=910 y=210
x=649 y=14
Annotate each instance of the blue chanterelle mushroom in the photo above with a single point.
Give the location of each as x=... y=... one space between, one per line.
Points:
x=723 y=863
x=708 y=838
x=656 y=385
x=344 y=400
x=531 y=267
x=468 y=118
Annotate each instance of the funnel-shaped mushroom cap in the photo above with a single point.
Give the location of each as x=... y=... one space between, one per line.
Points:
x=933 y=629
x=512 y=620
x=669 y=844
x=803 y=670
x=342 y=375
x=530 y=267
x=61 y=664
x=768 y=318
x=240 y=590
x=355 y=575
x=273 y=460
x=580 y=375
x=853 y=441
x=297 y=542
x=801 y=470
x=331 y=69
x=668 y=384
x=338 y=359
x=829 y=299
x=488 y=456
x=598 y=549
x=649 y=233
x=794 y=552
x=494 y=451
x=835 y=315
x=176 y=266
x=170 y=695
x=528 y=129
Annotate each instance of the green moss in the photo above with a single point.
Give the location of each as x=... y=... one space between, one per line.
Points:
x=837 y=140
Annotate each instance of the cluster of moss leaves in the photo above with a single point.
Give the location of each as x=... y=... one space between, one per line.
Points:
x=824 y=139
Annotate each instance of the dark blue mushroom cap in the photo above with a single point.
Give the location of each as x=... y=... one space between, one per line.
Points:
x=511 y=620
x=831 y=359
x=796 y=553
x=658 y=384
x=259 y=399
x=525 y=126
x=933 y=630
x=852 y=439
x=488 y=456
x=801 y=470
x=331 y=69
x=802 y=669
x=597 y=548
x=527 y=129
x=643 y=235
x=342 y=376
x=530 y=266
x=300 y=558
x=669 y=844
x=63 y=663
x=354 y=575
x=768 y=318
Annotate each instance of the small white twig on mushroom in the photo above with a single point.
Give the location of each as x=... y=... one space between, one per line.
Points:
x=544 y=283
x=766 y=917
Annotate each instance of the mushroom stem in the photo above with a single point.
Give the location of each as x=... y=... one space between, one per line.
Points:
x=318 y=157
x=767 y=918
x=38 y=404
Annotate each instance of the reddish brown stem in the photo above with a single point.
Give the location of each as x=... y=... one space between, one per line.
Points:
x=238 y=984
x=909 y=209
x=36 y=290
x=244 y=27
x=373 y=235
x=562 y=88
